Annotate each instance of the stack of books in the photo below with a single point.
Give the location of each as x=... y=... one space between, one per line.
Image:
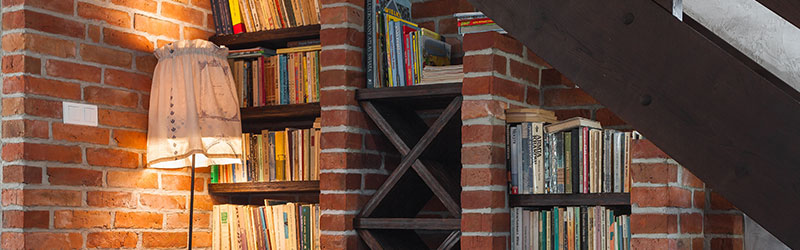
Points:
x=287 y=155
x=266 y=77
x=476 y=22
x=237 y=16
x=397 y=48
x=572 y=156
x=443 y=74
x=273 y=226
x=570 y=228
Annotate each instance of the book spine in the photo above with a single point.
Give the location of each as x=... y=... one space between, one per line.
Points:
x=214 y=173
x=284 y=81
x=514 y=164
x=398 y=43
x=546 y=166
x=236 y=16
x=369 y=28
x=617 y=141
x=585 y=159
x=525 y=160
x=559 y=160
x=215 y=11
x=290 y=13
x=537 y=141
x=568 y=162
x=626 y=152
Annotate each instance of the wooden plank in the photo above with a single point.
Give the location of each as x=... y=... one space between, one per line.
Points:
x=450 y=241
x=369 y=239
x=788 y=9
x=269 y=38
x=398 y=239
x=417 y=91
x=549 y=200
x=281 y=112
x=727 y=124
x=408 y=223
x=263 y=187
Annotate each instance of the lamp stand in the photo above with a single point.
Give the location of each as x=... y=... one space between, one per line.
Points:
x=191 y=206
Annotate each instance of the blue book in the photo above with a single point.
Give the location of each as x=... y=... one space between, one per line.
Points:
x=284 y=79
x=398 y=46
x=264 y=226
x=393 y=63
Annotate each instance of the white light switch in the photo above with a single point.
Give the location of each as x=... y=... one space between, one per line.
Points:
x=80 y=114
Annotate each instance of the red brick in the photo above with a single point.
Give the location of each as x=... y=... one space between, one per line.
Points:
x=155 y=201
x=536 y=59
x=341 y=14
x=41 y=86
x=551 y=77
x=607 y=118
x=654 y=173
x=43 y=22
x=698 y=243
x=111 y=240
x=482 y=134
x=336 y=222
x=46 y=152
x=448 y=26
x=483 y=176
x=180 y=182
x=532 y=96
x=724 y=224
x=691 y=223
x=130 y=139
x=330 y=242
x=727 y=244
x=649 y=243
x=341 y=140
x=485 y=222
x=110 y=16
x=127 y=40
x=483 y=199
x=471 y=109
x=138 y=220
x=483 y=155
x=654 y=223
x=567 y=97
x=103 y=55
x=22 y=174
x=93 y=33
x=341 y=201
x=110 y=199
x=699 y=199
x=13 y=151
x=342 y=36
x=78 y=133
x=22 y=63
x=720 y=203
x=146 y=63
x=39 y=44
x=143 y=5
x=74 y=177
x=182 y=13
x=61 y=6
x=26 y=219
x=207 y=202
x=113 y=97
x=485 y=63
x=661 y=197
x=524 y=72
x=339 y=181
x=181 y=220
x=25 y=128
x=190 y=33
x=205 y=4
x=81 y=219
x=495 y=86
x=12 y=240
x=136 y=179
x=13 y=197
x=646 y=149
x=333 y=118
x=164 y=239
x=344 y=78
x=31 y=106
x=112 y=158
x=338 y=97
x=201 y=239
x=485 y=40
x=440 y=8
x=72 y=71
x=688 y=179
x=484 y=242
x=372 y=181
x=48 y=240
x=341 y=57
x=122 y=119
x=156 y=27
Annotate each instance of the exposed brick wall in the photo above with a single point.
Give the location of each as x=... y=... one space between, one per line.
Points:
x=67 y=186
x=437 y=15
x=500 y=73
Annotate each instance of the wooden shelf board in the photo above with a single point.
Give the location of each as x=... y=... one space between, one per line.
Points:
x=270 y=38
x=547 y=200
x=408 y=223
x=255 y=119
x=264 y=187
x=417 y=91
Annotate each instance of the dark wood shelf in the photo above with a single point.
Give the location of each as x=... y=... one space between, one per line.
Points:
x=407 y=223
x=263 y=187
x=549 y=200
x=417 y=91
x=268 y=39
x=302 y=115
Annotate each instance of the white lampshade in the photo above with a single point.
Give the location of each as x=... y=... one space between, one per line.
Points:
x=193 y=108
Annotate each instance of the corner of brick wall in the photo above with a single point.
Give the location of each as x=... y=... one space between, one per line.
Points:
x=500 y=73
x=67 y=186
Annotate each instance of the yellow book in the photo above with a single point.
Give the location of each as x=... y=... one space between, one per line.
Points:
x=236 y=17
x=299 y=49
x=280 y=155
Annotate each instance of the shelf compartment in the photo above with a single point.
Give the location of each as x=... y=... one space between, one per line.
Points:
x=408 y=223
x=549 y=200
x=255 y=119
x=269 y=38
x=263 y=187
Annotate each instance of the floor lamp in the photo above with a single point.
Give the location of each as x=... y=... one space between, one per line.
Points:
x=194 y=118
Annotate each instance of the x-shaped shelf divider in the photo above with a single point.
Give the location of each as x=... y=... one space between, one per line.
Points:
x=372 y=226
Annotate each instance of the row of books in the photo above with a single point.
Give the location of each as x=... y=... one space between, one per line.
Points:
x=237 y=16
x=286 y=76
x=290 y=226
x=288 y=155
x=571 y=156
x=397 y=49
x=475 y=22
x=558 y=228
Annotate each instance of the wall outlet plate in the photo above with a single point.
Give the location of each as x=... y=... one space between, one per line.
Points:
x=80 y=114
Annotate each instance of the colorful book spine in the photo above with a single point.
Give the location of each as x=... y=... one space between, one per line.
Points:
x=236 y=16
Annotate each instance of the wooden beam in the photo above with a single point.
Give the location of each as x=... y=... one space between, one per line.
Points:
x=788 y=9
x=408 y=223
x=450 y=241
x=717 y=117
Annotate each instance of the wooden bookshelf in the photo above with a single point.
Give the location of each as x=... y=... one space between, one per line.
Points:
x=550 y=200
x=268 y=38
x=264 y=187
x=302 y=115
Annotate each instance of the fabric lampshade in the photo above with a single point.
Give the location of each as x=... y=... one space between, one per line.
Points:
x=194 y=109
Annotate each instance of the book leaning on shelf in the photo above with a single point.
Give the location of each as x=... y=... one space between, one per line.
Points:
x=265 y=77
x=571 y=156
x=237 y=16
x=285 y=155
x=592 y=227
x=290 y=226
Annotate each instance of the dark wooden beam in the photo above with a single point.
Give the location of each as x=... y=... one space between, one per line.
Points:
x=408 y=223
x=450 y=241
x=544 y=200
x=717 y=117
x=788 y=9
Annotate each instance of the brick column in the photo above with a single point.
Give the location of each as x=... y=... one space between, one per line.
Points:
x=500 y=73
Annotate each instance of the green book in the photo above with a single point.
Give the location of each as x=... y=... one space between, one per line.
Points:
x=306 y=226
x=214 y=173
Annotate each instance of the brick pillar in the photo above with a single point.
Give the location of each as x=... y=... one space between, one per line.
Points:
x=500 y=73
